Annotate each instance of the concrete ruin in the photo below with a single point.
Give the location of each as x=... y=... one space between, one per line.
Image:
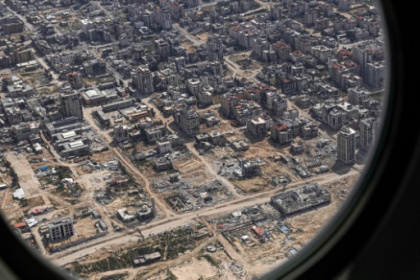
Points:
x=301 y=200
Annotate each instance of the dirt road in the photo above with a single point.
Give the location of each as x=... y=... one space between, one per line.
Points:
x=140 y=178
x=186 y=218
x=210 y=169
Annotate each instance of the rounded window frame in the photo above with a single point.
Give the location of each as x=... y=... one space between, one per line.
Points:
x=318 y=259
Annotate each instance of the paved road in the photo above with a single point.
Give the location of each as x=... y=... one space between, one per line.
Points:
x=171 y=220
x=192 y=38
x=203 y=5
x=185 y=218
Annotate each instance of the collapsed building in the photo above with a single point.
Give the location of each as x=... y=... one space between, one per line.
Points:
x=301 y=200
x=249 y=168
x=146 y=259
x=145 y=213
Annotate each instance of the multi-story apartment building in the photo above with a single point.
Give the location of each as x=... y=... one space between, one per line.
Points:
x=143 y=79
x=61 y=229
x=71 y=105
x=214 y=48
x=346 y=145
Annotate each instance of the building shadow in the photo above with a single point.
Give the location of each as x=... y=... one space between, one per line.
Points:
x=340 y=168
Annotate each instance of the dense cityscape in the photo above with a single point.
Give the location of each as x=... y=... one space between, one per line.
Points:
x=183 y=139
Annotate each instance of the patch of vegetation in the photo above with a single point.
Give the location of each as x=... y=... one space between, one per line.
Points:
x=168 y=244
x=178 y=242
x=63 y=172
x=119 y=276
x=23 y=202
x=11 y=172
x=143 y=163
x=69 y=190
x=34 y=160
x=157 y=123
x=150 y=48
x=116 y=261
x=111 y=263
x=72 y=201
x=211 y=260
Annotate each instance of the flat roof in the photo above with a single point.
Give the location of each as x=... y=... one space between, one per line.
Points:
x=92 y=93
x=68 y=134
x=76 y=144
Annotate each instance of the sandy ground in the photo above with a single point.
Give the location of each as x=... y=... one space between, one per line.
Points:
x=27 y=179
x=203 y=36
x=195 y=269
x=188 y=47
x=263 y=257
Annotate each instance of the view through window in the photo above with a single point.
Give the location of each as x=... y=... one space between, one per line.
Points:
x=183 y=139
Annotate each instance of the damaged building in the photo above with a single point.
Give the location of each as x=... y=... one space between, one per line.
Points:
x=301 y=200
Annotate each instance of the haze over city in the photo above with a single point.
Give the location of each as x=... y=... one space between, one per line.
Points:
x=183 y=139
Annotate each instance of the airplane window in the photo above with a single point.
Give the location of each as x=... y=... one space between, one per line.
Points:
x=185 y=139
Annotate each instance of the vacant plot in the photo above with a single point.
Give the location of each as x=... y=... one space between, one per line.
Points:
x=188 y=47
x=35 y=78
x=193 y=170
x=203 y=36
x=195 y=269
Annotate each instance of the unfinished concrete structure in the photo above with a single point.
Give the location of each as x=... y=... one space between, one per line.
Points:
x=61 y=229
x=120 y=133
x=301 y=200
x=146 y=259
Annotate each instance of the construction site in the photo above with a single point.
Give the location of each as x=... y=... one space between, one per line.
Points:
x=86 y=226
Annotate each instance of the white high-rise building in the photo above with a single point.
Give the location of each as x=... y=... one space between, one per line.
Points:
x=346 y=145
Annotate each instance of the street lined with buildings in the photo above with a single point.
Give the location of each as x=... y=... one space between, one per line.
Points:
x=143 y=140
